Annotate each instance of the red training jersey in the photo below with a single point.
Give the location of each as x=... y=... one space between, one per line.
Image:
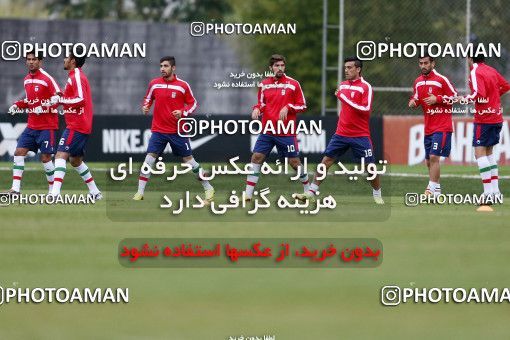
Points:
x=356 y=98
x=169 y=95
x=273 y=95
x=77 y=102
x=487 y=86
x=438 y=117
x=39 y=87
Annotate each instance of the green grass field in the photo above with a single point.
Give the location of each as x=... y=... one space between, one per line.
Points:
x=425 y=246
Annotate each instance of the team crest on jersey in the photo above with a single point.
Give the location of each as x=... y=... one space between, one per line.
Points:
x=430 y=89
x=36 y=88
x=352 y=94
x=174 y=94
x=283 y=92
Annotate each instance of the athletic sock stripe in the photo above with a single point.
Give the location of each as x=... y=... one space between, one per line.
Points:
x=17 y=177
x=257 y=174
x=143 y=178
x=305 y=182
x=251 y=183
x=84 y=172
x=60 y=169
x=50 y=173
x=313 y=191
x=18 y=167
x=495 y=166
x=89 y=180
x=196 y=170
x=485 y=169
x=486 y=180
x=494 y=177
x=58 y=179
x=50 y=182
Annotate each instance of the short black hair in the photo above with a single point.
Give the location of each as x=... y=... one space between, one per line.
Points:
x=477 y=57
x=169 y=58
x=357 y=62
x=480 y=58
x=37 y=55
x=426 y=55
x=80 y=61
x=276 y=58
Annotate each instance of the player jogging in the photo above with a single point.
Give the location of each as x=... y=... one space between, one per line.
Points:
x=280 y=99
x=173 y=99
x=432 y=92
x=78 y=112
x=353 y=131
x=42 y=121
x=487 y=86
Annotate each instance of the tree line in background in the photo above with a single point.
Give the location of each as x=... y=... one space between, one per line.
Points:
x=375 y=20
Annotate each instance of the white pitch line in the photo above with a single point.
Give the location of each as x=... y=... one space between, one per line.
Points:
x=3 y=168
x=398 y=174
x=392 y=174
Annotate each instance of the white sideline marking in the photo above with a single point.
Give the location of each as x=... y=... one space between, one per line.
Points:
x=398 y=174
x=393 y=174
